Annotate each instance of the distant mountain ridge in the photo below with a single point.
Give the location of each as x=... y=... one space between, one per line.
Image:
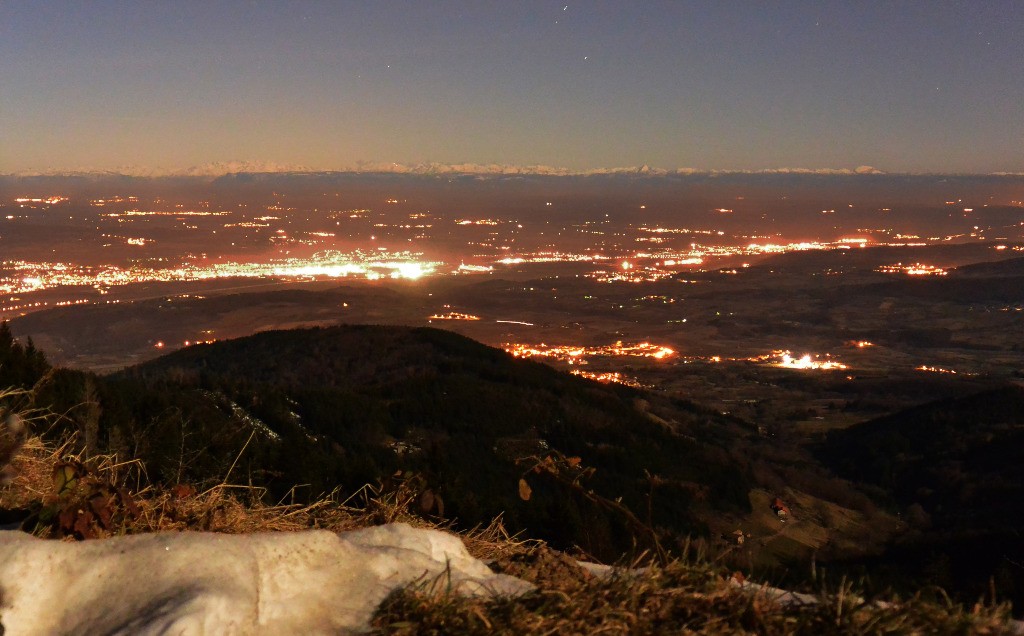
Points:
x=222 y=168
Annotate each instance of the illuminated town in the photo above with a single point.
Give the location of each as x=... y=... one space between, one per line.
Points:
x=579 y=355
x=610 y=376
x=600 y=287
x=916 y=269
x=786 y=361
x=134 y=240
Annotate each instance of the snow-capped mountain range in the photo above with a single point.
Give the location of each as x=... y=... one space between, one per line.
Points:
x=221 y=168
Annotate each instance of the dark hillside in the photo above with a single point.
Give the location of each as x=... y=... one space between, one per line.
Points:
x=354 y=404
x=1009 y=267
x=960 y=459
x=956 y=469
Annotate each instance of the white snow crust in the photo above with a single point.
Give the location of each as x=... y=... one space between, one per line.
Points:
x=313 y=582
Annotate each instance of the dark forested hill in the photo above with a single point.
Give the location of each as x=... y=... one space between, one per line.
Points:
x=475 y=433
x=350 y=405
x=353 y=405
x=962 y=460
x=956 y=469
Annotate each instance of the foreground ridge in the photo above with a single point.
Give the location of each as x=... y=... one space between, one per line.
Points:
x=368 y=572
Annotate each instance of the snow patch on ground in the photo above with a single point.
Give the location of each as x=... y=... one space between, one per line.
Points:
x=243 y=415
x=203 y=583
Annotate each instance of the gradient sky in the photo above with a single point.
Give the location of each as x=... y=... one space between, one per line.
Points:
x=925 y=86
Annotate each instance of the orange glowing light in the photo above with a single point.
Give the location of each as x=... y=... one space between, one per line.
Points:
x=608 y=377
x=453 y=315
x=577 y=354
x=787 y=361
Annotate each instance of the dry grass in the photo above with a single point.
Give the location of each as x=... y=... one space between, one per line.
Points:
x=32 y=469
x=37 y=488
x=680 y=598
x=684 y=596
x=224 y=508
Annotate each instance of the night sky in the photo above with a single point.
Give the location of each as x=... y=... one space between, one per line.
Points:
x=902 y=86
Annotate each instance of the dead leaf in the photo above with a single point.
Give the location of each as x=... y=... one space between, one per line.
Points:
x=102 y=508
x=83 y=525
x=524 y=490
x=128 y=502
x=183 y=491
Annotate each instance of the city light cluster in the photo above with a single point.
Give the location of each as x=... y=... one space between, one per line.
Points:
x=578 y=354
x=787 y=361
x=932 y=369
x=175 y=213
x=18 y=277
x=99 y=203
x=779 y=248
x=631 y=275
x=473 y=269
x=47 y=200
x=915 y=269
x=608 y=377
x=452 y=315
x=551 y=257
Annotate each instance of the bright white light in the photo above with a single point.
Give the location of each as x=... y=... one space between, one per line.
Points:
x=806 y=362
x=474 y=268
x=411 y=271
x=32 y=282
